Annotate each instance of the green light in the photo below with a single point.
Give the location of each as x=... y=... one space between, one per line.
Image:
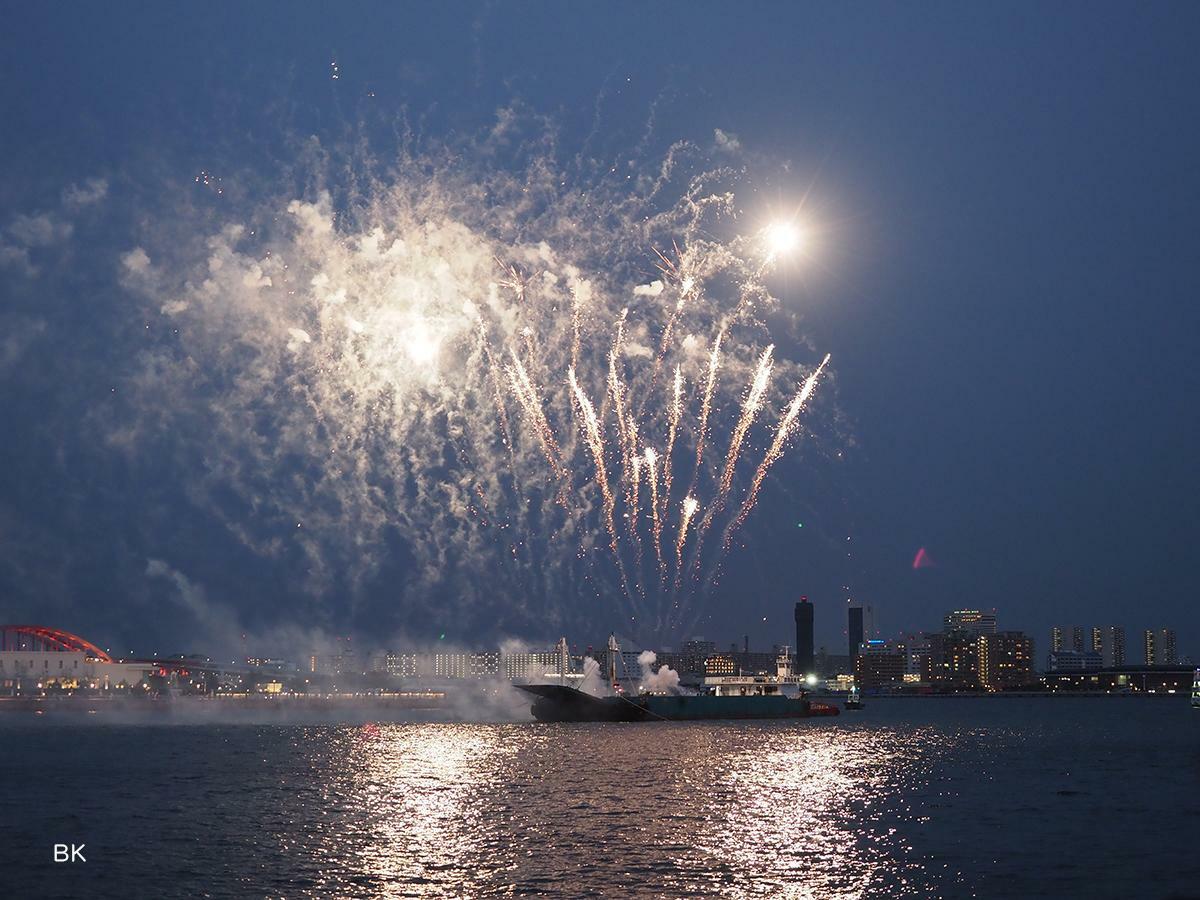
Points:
x=799 y=524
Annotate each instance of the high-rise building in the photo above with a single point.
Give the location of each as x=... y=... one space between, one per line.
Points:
x=880 y=663
x=1005 y=659
x=1057 y=644
x=1111 y=646
x=855 y=631
x=1160 y=647
x=804 y=637
x=954 y=659
x=972 y=621
x=1069 y=637
x=917 y=665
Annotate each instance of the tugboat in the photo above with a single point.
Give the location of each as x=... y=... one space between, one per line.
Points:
x=780 y=696
x=853 y=700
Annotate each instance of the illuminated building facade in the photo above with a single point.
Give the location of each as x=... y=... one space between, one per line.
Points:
x=1005 y=660
x=972 y=621
x=1074 y=661
x=1110 y=644
x=880 y=664
x=954 y=659
x=1159 y=647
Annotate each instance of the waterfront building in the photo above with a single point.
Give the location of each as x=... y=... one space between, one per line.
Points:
x=35 y=659
x=855 y=631
x=804 y=637
x=1057 y=644
x=972 y=621
x=1111 y=646
x=1005 y=659
x=1067 y=637
x=1159 y=647
x=830 y=664
x=1074 y=661
x=917 y=664
x=720 y=664
x=954 y=659
x=879 y=664
x=346 y=663
x=1124 y=680
x=690 y=658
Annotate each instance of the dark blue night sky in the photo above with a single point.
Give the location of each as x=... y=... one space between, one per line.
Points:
x=1006 y=201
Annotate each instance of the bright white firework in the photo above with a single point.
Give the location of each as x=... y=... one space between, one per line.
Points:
x=457 y=320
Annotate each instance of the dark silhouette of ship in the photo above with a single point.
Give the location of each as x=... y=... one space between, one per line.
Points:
x=722 y=697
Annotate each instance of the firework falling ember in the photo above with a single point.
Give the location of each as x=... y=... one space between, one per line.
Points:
x=782 y=433
x=688 y=512
x=673 y=274
x=527 y=394
x=714 y=363
x=595 y=441
x=652 y=476
x=501 y=408
x=758 y=387
x=616 y=390
x=750 y=406
x=673 y=414
x=635 y=499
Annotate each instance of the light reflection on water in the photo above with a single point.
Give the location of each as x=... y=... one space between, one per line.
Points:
x=674 y=810
x=923 y=798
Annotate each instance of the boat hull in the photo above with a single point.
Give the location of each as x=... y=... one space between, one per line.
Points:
x=556 y=703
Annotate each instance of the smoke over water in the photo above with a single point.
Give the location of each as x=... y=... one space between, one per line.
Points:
x=664 y=679
x=507 y=382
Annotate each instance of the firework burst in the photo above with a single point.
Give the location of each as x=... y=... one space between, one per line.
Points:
x=477 y=375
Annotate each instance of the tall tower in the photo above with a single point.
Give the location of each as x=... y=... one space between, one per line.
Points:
x=855 y=631
x=804 y=637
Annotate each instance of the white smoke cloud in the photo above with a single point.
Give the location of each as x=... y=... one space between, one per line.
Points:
x=663 y=680
x=727 y=141
x=92 y=191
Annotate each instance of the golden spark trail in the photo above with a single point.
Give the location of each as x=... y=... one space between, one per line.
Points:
x=633 y=502
x=635 y=497
x=773 y=453
x=501 y=406
x=527 y=394
x=714 y=362
x=574 y=327
x=595 y=441
x=690 y=505
x=616 y=390
x=664 y=344
x=758 y=387
x=673 y=414
x=655 y=518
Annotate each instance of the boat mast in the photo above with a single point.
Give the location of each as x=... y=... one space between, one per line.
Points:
x=564 y=659
x=614 y=651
